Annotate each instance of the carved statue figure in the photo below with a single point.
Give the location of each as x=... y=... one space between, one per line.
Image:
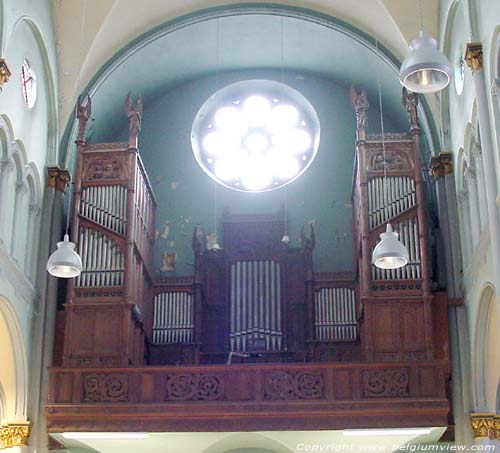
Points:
x=360 y=103
x=83 y=113
x=410 y=103
x=199 y=239
x=134 y=114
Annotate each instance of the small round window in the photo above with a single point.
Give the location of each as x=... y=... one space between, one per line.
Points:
x=28 y=81
x=255 y=136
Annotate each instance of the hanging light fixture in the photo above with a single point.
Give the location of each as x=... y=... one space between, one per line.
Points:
x=65 y=262
x=425 y=69
x=389 y=253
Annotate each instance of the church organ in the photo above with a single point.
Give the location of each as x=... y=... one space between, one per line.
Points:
x=361 y=336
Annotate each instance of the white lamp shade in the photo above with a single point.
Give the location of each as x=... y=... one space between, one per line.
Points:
x=390 y=253
x=65 y=262
x=425 y=69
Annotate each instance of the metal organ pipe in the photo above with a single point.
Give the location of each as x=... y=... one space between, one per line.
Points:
x=173 y=317
x=335 y=314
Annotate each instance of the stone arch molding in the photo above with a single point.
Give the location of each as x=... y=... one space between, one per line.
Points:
x=20 y=198
x=13 y=372
x=486 y=300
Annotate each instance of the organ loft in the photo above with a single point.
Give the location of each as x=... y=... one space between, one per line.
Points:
x=254 y=338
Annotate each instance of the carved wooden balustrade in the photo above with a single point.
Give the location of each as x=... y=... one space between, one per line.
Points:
x=248 y=397
x=114 y=221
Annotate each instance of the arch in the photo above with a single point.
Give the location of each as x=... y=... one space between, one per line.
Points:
x=49 y=85
x=13 y=373
x=205 y=15
x=253 y=442
x=480 y=360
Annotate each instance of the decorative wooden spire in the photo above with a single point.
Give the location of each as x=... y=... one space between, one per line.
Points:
x=83 y=113
x=361 y=105
x=134 y=114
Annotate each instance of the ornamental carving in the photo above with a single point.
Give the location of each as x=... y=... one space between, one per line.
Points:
x=105 y=387
x=474 y=56
x=390 y=383
x=4 y=73
x=58 y=178
x=14 y=435
x=100 y=168
x=290 y=385
x=393 y=160
x=486 y=425
x=194 y=387
x=436 y=168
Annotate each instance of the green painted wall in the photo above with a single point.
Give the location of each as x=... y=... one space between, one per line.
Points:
x=185 y=194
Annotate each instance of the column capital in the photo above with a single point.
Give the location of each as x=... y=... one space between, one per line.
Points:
x=4 y=73
x=447 y=161
x=485 y=425
x=436 y=168
x=58 y=178
x=14 y=435
x=474 y=56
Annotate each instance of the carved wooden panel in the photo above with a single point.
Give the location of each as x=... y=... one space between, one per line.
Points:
x=98 y=388
x=194 y=387
x=105 y=167
x=389 y=383
x=289 y=385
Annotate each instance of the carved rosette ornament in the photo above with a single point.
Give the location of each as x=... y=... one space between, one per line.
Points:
x=290 y=385
x=194 y=387
x=105 y=387
x=4 y=73
x=486 y=426
x=58 y=178
x=390 y=383
x=474 y=56
x=14 y=435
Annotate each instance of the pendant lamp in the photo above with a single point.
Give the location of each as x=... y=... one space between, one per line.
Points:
x=65 y=262
x=390 y=253
x=425 y=69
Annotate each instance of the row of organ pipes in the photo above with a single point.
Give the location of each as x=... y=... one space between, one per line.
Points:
x=256 y=305
x=173 y=317
x=105 y=205
x=389 y=197
x=102 y=261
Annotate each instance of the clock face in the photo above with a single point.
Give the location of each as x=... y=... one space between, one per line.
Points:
x=28 y=82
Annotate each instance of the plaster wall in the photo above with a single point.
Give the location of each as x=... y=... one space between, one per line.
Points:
x=28 y=139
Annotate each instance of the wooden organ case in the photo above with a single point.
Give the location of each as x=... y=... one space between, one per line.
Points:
x=224 y=349
x=114 y=224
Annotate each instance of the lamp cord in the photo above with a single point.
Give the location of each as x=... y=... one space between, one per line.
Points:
x=421 y=15
x=282 y=50
x=78 y=79
x=381 y=109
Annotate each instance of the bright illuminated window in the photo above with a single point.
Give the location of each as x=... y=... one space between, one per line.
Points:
x=28 y=82
x=256 y=135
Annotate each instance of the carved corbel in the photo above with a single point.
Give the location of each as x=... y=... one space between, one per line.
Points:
x=4 y=73
x=58 y=178
x=474 y=56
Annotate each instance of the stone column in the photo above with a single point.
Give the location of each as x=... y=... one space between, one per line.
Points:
x=470 y=181
x=477 y=155
x=465 y=221
x=44 y=322
x=474 y=58
x=441 y=167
